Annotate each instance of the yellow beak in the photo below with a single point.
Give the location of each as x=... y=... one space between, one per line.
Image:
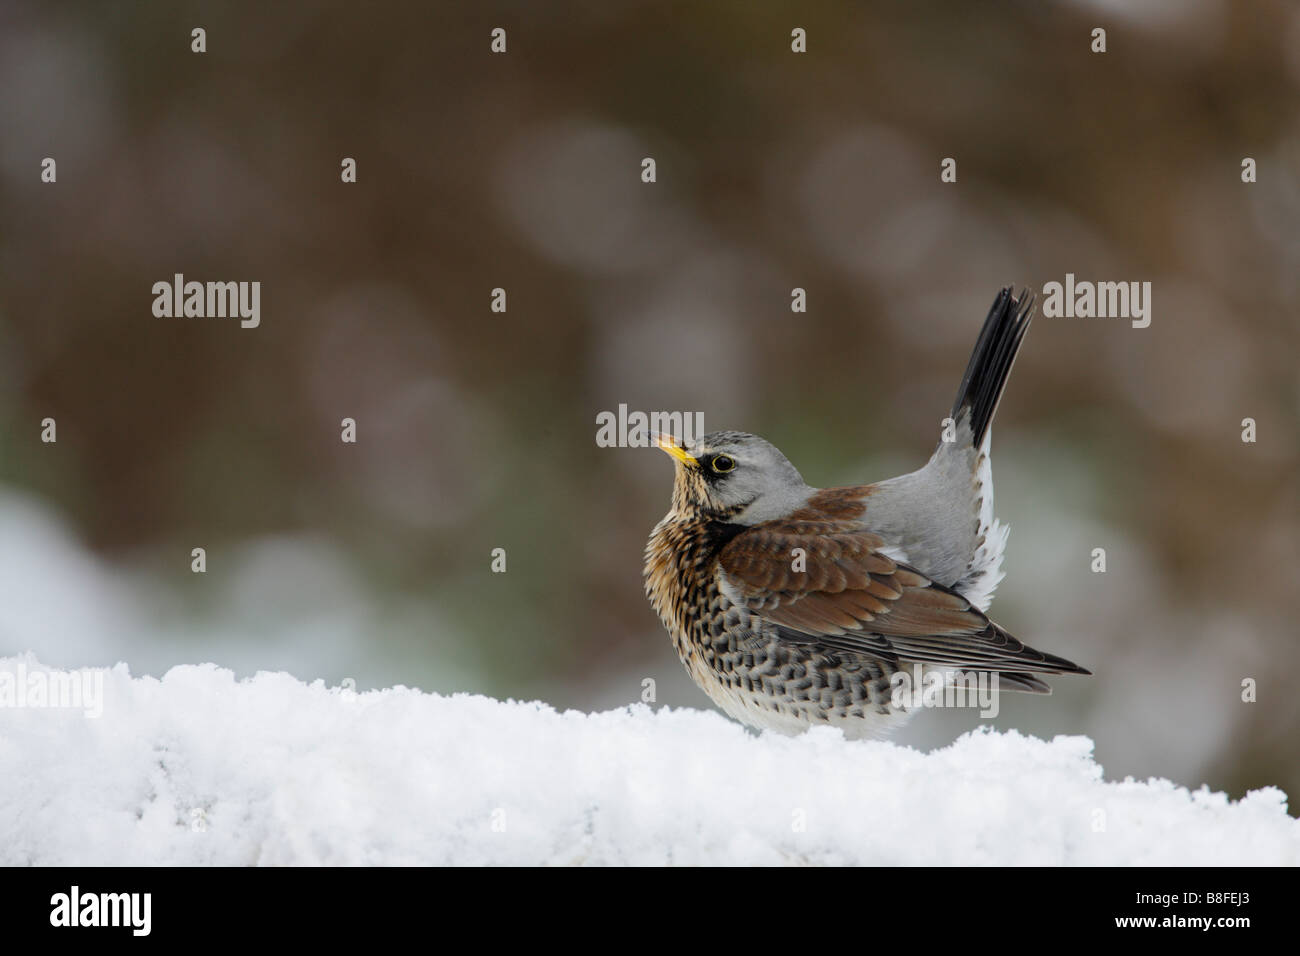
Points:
x=669 y=444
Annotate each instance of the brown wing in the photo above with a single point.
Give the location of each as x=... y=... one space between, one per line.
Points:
x=848 y=595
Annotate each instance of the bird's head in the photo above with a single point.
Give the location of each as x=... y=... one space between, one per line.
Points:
x=735 y=477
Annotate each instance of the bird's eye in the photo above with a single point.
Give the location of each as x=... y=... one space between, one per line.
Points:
x=723 y=464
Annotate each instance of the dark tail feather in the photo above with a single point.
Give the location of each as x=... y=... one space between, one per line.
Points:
x=1029 y=683
x=1023 y=683
x=1026 y=683
x=990 y=363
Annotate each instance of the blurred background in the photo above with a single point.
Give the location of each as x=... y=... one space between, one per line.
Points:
x=476 y=430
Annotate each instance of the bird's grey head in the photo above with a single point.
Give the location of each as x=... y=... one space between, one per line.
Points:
x=734 y=476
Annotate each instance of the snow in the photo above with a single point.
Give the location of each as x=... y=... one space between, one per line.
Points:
x=199 y=768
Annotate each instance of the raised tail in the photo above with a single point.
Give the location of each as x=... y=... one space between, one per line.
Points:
x=990 y=364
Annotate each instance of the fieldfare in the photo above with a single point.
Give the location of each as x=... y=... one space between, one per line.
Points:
x=793 y=606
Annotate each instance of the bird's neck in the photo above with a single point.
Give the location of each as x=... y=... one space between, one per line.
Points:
x=680 y=565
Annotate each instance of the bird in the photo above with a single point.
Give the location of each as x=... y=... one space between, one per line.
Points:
x=793 y=606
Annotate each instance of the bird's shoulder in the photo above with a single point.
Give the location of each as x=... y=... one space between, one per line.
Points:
x=820 y=570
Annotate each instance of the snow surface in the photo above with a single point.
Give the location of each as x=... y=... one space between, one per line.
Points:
x=198 y=768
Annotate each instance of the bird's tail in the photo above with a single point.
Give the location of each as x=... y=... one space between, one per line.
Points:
x=990 y=363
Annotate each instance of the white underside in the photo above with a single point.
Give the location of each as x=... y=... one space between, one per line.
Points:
x=870 y=726
x=984 y=572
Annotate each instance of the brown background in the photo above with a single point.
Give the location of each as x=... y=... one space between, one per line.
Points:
x=477 y=430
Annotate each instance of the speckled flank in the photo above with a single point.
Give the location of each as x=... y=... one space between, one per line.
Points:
x=736 y=658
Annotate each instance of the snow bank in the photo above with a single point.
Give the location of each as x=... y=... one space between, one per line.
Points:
x=198 y=768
